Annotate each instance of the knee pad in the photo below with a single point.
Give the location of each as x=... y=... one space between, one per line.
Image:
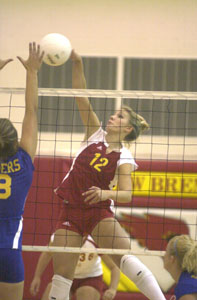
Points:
x=133 y=268
x=60 y=288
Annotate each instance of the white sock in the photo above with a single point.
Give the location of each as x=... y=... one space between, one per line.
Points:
x=60 y=288
x=134 y=269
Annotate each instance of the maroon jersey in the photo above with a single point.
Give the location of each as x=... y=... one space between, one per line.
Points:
x=92 y=166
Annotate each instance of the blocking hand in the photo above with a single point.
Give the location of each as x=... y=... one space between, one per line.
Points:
x=3 y=63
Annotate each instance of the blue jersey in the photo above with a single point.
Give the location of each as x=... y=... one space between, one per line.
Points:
x=187 y=284
x=15 y=180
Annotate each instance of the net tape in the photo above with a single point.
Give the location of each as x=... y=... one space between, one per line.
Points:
x=91 y=250
x=156 y=95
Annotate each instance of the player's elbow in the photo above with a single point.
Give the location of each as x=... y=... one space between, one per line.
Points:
x=31 y=110
x=128 y=196
x=124 y=196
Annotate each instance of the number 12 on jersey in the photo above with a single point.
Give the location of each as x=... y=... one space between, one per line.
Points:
x=98 y=162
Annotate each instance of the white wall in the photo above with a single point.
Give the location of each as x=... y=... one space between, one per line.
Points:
x=146 y=28
x=158 y=28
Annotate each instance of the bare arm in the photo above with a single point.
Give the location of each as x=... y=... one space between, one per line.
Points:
x=43 y=262
x=189 y=297
x=121 y=195
x=110 y=293
x=29 y=127
x=88 y=116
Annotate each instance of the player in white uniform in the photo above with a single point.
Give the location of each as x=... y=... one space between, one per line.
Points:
x=88 y=283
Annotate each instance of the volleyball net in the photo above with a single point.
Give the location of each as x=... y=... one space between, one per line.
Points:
x=164 y=201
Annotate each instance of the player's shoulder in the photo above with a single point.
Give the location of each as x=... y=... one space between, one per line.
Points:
x=187 y=283
x=99 y=134
x=23 y=153
x=24 y=158
x=185 y=276
x=126 y=157
x=125 y=151
x=97 y=137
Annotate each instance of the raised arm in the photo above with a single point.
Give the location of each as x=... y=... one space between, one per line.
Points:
x=30 y=128
x=110 y=293
x=3 y=63
x=88 y=116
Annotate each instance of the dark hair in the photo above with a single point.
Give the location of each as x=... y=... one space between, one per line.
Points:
x=8 y=139
x=138 y=123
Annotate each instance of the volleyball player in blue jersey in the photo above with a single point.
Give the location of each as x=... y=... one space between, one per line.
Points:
x=16 y=172
x=180 y=260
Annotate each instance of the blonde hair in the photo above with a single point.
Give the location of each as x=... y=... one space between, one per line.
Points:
x=138 y=123
x=8 y=139
x=184 y=249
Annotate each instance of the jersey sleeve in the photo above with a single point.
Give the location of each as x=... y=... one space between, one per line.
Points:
x=186 y=285
x=127 y=158
x=97 y=136
x=26 y=158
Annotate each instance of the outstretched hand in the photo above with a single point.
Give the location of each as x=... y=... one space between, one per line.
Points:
x=4 y=62
x=34 y=61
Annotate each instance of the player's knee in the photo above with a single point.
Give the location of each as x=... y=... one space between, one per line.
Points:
x=60 y=288
x=133 y=268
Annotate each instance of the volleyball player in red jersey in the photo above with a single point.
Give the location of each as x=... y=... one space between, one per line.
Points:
x=87 y=197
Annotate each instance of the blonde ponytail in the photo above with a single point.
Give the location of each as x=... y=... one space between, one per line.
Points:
x=138 y=123
x=190 y=260
x=144 y=125
x=184 y=248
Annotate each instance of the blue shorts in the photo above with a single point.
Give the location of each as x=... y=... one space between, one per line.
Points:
x=11 y=266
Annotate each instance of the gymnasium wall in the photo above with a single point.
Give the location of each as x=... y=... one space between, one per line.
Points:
x=128 y=28
x=145 y=28
x=166 y=208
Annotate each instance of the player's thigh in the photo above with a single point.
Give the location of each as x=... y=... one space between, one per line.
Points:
x=11 y=291
x=108 y=233
x=64 y=263
x=66 y=238
x=11 y=274
x=87 y=292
